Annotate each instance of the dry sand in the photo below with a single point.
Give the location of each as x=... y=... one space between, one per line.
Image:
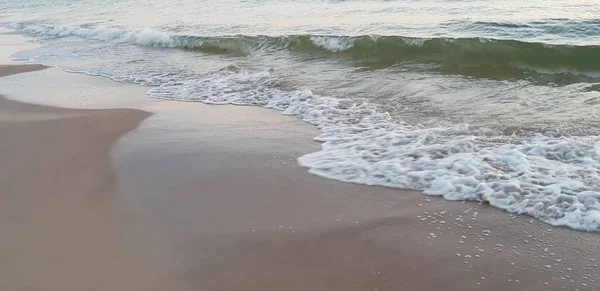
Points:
x=211 y=198
x=62 y=227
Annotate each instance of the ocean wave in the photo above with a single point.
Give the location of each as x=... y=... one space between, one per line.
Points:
x=550 y=28
x=455 y=55
x=145 y=37
x=555 y=179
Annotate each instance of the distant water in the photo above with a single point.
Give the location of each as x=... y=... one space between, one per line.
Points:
x=494 y=101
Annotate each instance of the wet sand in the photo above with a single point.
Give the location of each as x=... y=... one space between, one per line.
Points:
x=211 y=198
x=7 y=70
x=223 y=184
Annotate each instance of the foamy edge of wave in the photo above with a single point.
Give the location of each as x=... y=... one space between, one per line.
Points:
x=553 y=179
x=145 y=37
x=155 y=38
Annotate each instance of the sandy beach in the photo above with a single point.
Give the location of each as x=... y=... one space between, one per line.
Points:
x=62 y=228
x=164 y=195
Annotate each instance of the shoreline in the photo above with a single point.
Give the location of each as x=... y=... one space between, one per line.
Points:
x=227 y=188
x=216 y=191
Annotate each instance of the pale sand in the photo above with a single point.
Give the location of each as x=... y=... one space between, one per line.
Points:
x=11 y=43
x=218 y=199
x=62 y=226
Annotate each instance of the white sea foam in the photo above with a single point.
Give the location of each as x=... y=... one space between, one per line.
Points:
x=415 y=41
x=146 y=37
x=150 y=37
x=334 y=44
x=556 y=180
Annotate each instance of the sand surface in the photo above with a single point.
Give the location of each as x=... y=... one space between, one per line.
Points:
x=62 y=226
x=239 y=214
x=7 y=70
x=210 y=198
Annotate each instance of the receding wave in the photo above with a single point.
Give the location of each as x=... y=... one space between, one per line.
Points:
x=363 y=144
x=459 y=55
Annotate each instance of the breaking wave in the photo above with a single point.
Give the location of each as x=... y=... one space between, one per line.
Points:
x=380 y=50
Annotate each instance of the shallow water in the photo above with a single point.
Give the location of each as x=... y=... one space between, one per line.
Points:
x=474 y=100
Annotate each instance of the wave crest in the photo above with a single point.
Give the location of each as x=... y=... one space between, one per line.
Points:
x=454 y=54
